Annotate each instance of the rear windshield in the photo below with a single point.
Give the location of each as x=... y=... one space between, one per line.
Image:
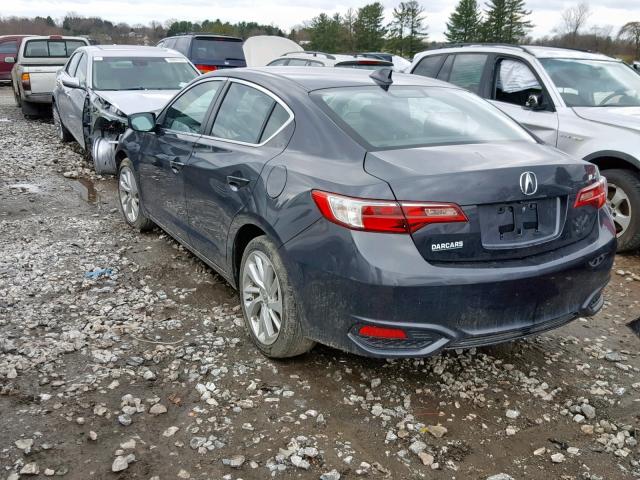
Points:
x=141 y=73
x=363 y=64
x=216 y=49
x=407 y=116
x=51 y=48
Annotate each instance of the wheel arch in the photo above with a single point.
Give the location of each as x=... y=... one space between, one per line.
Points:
x=608 y=159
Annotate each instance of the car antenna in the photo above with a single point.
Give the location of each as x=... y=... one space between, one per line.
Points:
x=383 y=78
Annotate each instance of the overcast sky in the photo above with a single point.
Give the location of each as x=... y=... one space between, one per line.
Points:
x=288 y=13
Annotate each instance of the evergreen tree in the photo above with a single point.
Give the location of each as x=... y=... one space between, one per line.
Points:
x=369 y=30
x=495 y=19
x=396 y=29
x=464 y=23
x=516 y=25
x=416 y=31
x=325 y=32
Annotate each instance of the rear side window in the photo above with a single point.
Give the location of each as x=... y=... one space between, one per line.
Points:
x=280 y=61
x=278 y=118
x=182 y=45
x=429 y=66
x=297 y=62
x=216 y=49
x=51 y=48
x=243 y=114
x=9 y=48
x=467 y=71
x=187 y=113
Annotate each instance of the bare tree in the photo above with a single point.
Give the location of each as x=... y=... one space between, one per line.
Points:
x=574 y=19
x=631 y=33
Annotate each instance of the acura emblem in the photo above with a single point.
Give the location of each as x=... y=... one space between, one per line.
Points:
x=528 y=183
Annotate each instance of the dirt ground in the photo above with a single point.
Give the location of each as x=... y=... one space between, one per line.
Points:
x=146 y=368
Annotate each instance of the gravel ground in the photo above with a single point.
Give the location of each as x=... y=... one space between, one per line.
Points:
x=122 y=356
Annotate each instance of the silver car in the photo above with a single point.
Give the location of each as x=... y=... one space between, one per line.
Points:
x=585 y=104
x=101 y=85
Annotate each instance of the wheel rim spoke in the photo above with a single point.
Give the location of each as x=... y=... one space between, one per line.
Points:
x=623 y=221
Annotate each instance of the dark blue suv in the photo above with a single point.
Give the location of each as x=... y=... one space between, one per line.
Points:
x=208 y=52
x=383 y=215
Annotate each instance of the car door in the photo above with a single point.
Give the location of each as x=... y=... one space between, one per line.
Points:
x=227 y=162
x=62 y=91
x=76 y=98
x=513 y=82
x=167 y=151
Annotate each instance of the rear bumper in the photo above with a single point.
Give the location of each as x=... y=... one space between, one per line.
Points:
x=37 y=97
x=346 y=280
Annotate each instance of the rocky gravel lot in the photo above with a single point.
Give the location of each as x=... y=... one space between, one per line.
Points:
x=122 y=356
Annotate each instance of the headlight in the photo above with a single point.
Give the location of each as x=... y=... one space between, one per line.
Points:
x=113 y=109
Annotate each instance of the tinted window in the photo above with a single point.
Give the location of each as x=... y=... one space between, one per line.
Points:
x=407 y=117
x=242 y=114
x=170 y=42
x=515 y=82
x=278 y=118
x=280 y=61
x=187 y=113
x=141 y=73
x=182 y=45
x=467 y=70
x=429 y=66
x=51 y=48
x=81 y=71
x=446 y=68
x=210 y=49
x=10 y=47
x=73 y=64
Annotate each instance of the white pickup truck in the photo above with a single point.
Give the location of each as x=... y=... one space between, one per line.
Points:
x=33 y=77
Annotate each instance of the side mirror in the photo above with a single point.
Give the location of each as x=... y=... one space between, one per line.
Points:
x=535 y=102
x=9 y=59
x=142 y=122
x=70 y=82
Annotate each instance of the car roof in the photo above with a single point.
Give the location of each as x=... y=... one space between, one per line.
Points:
x=209 y=35
x=129 y=50
x=314 y=78
x=330 y=59
x=56 y=37
x=533 y=50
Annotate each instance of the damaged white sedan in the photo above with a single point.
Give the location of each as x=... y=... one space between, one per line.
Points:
x=101 y=85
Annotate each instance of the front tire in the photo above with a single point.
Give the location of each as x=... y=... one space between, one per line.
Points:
x=61 y=131
x=268 y=302
x=129 y=198
x=624 y=201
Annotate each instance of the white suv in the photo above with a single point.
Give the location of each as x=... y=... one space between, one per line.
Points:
x=583 y=103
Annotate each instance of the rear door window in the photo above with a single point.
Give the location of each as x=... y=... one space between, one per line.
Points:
x=429 y=66
x=280 y=61
x=467 y=70
x=188 y=112
x=278 y=118
x=51 y=48
x=243 y=114
x=297 y=62
x=9 y=48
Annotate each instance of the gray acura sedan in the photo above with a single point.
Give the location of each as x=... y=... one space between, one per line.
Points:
x=100 y=85
x=383 y=214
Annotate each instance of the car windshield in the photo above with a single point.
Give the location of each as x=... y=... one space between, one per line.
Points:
x=216 y=49
x=594 y=83
x=414 y=116
x=51 y=48
x=141 y=73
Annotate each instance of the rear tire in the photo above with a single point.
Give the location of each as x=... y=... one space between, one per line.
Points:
x=129 y=198
x=624 y=201
x=268 y=302
x=61 y=131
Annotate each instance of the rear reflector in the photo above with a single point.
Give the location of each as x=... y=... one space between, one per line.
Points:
x=206 y=68
x=26 y=81
x=386 y=216
x=381 y=332
x=594 y=195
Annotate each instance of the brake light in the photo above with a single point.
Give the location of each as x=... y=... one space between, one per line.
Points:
x=385 y=216
x=26 y=81
x=381 y=332
x=594 y=195
x=368 y=62
x=206 y=68
x=55 y=37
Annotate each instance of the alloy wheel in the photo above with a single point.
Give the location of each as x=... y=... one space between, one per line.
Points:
x=262 y=297
x=620 y=206
x=128 y=192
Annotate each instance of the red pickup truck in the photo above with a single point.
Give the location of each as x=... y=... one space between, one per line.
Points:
x=9 y=45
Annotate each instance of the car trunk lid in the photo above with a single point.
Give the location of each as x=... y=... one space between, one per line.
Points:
x=518 y=198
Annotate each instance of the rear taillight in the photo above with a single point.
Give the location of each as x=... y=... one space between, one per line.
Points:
x=382 y=332
x=386 y=216
x=594 y=195
x=26 y=81
x=206 y=68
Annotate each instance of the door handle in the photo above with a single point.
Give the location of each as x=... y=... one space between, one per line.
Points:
x=175 y=165
x=236 y=183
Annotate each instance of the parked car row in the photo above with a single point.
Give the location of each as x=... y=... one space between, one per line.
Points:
x=386 y=214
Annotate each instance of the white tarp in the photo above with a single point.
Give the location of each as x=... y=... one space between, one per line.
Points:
x=515 y=76
x=262 y=49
